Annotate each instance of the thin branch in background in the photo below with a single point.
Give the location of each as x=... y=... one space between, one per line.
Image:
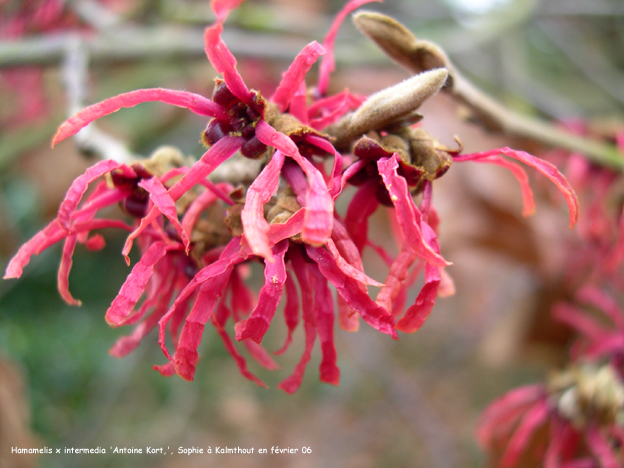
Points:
x=90 y=139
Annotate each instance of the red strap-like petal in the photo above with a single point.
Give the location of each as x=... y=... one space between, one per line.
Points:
x=408 y=215
x=255 y=226
x=594 y=296
x=324 y=307
x=542 y=166
x=194 y=102
x=498 y=413
x=64 y=269
x=186 y=356
x=347 y=287
x=260 y=355
x=362 y=206
x=270 y=295
x=292 y=383
x=319 y=207
x=166 y=205
x=79 y=187
x=195 y=209
x=229 y=346
x=528 y=201
x=135 y=284
x=418 y=313
x=212 y=158
x=294 y=76
x=532 y=420
x=291 y=311
x=224 y=62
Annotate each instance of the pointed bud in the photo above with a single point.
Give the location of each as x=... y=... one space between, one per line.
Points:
x=398 y=43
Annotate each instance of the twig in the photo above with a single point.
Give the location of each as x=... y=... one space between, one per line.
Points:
x=75 y=77
x=141 y=43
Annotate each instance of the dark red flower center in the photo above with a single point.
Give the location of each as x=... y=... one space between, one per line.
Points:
x=137 y=201
x=241 y=121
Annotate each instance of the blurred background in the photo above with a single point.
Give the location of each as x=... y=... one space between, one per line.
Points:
x=411 y=403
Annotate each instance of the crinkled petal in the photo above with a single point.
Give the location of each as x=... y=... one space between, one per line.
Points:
x=79 y=187
x=224 y=62
x=166 y=205
x=594 y=296
x=528 y=201
x=578 y=320
x=362 y=206
x=50 y=235
x=126 y=344
x=195 y=209
x=319 y=206
x=135 y=284
x=408 y=215
x=229 y=346
x=398 y=274
x=255 y=226
x=348 y=269
x=212 y=158
x=260 y=355
x=498 y=412
x=336 y=185
x=294 y=76
x=64 y=269
x=186 y=356
x=299 y=104
x=336 y=106
x=194 y=102
x=532 y=420
x=292 y=383
x=328 y=64
x=241 y=298
x=601 y=448
x=230 y=256
x=291 y=311
x=542 y=166
x=324 y=307
x=41 y=241
x=347 y=287
x=418 y=313
x=270 y=295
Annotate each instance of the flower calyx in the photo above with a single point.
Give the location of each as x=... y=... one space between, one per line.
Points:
x=241 y=120
x=589 y=393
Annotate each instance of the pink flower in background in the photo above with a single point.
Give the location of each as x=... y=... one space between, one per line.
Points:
x=570 y=423
x=602 y=336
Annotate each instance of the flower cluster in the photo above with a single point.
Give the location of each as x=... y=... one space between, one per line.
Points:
x=574 y=421
x=577 y=419
x=197 y=238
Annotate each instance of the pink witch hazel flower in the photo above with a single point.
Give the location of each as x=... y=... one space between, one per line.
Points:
x=575 y=421
x=577 y=418
x=194 y=250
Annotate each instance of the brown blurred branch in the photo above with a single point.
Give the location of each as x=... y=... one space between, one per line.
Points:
x=143 y=42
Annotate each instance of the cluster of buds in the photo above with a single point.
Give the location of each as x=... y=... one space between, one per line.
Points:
x=197 y=237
